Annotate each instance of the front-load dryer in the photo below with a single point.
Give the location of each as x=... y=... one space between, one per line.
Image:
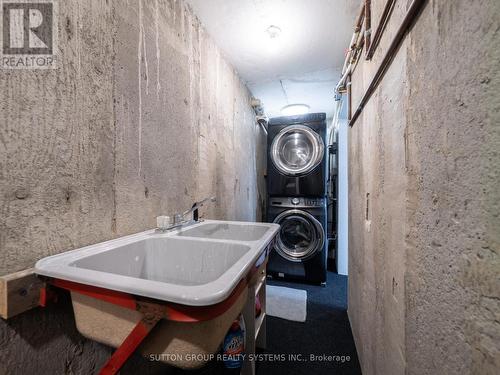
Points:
x=296 y=157
x=300 y=251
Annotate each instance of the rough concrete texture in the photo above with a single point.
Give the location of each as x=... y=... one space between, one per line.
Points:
x=376 y=214
x=142 y=117
x=453 y=264
x=423 y=252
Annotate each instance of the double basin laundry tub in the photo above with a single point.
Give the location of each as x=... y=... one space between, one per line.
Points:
x=208 y=266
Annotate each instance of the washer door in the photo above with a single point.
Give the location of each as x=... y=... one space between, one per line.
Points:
x=297 y=150
x=300 y=236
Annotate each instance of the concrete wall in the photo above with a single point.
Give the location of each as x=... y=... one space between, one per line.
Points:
x=377 y=200
x=453 y=263
x=424 y=232
x=142 y=117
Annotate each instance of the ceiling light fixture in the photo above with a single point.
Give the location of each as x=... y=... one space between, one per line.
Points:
x=295 y=109
x=273 y=31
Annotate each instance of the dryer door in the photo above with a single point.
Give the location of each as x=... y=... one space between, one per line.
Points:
x=297 y=150
x=301 y=235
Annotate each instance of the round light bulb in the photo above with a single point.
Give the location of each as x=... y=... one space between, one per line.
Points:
x=295 y=109
x=273 y=32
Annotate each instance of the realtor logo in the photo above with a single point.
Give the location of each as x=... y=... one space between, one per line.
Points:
x=28 y=34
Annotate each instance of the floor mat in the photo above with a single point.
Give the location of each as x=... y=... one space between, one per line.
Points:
x=286 y=303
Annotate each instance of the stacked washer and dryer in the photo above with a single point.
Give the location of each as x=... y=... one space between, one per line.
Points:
x=297 y=188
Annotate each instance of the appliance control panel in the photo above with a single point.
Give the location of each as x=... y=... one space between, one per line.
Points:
x=314 y=202
x=297 y=202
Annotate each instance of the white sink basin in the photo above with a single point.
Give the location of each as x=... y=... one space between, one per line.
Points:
x=197 y=265
x=227 y=231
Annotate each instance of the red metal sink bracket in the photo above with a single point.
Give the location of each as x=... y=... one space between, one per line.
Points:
x=152 y=314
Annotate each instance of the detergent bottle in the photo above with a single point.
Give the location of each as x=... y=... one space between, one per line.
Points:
x=233 y=346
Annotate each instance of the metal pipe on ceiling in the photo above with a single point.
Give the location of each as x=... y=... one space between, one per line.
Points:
x=354 y=47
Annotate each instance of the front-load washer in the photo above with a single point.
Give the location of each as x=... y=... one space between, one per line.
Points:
x=296 y=157
x=300 y=251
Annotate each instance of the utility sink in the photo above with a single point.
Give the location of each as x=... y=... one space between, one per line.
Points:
x=196 y=265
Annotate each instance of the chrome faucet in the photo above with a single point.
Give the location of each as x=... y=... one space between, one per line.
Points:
x=194 y=209
x=164 y=223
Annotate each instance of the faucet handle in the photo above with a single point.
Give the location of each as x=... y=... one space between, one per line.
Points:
x=163 y=222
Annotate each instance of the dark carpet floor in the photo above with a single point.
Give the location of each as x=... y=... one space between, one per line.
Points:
x=326 y=332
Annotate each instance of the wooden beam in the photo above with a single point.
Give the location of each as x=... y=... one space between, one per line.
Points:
x=19 y=292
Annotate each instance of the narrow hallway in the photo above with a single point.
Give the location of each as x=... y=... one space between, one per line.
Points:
x=179 y=178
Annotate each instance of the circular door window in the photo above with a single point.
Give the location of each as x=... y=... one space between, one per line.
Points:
x=297 y=150
x=300 y=236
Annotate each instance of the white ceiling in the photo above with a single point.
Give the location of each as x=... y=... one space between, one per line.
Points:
x=302 y=65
